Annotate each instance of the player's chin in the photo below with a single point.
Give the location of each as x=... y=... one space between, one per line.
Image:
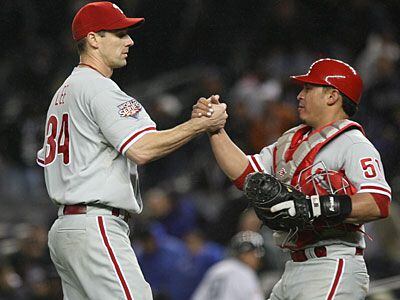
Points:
x=303 y=117
x=120 y=64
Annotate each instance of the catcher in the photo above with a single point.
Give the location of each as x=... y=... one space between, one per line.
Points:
x=315 y=186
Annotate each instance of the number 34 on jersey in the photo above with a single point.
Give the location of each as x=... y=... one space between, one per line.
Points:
x=57 y=139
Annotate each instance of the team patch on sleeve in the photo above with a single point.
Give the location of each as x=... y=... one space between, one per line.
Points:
x=129 y=108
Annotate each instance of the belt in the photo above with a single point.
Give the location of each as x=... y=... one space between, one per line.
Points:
x=80 y=209
x=320 y=251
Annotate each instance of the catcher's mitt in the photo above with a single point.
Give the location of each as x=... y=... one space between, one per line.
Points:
x=291 y=208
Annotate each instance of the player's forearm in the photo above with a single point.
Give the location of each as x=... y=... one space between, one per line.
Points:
x=158 y=144
x=364 y=209
x=229 y=157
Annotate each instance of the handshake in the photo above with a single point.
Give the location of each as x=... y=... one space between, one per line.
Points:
x=209 y=114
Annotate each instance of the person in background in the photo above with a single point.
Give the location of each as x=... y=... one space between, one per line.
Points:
x=235 y=277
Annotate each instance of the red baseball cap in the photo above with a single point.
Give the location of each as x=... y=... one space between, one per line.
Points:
x=97 y=16
x=336 y=73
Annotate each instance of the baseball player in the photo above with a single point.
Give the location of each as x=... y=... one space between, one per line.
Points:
x=327 y=155
x=95 y=136
x=235 y=278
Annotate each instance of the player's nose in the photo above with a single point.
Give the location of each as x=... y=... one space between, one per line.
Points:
x=130 y=42
x=300 y=95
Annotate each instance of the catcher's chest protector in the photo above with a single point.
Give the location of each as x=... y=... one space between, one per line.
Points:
x=295 y=153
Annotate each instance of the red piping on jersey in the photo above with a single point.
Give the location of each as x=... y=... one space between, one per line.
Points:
x=374 y=187
x=239 y=182
x=254 y=160
x=383 y=203
x=339 y=272
x=121 y=149
x=113 y=258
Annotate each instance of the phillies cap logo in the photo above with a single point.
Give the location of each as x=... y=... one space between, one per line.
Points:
x=129 y=108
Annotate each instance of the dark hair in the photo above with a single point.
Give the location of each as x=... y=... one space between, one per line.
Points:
x=81 y=44
x=349 y=106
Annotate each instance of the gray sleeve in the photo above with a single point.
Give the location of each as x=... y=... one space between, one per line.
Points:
x=121 y=118
x=264 y=161
x=364 y=169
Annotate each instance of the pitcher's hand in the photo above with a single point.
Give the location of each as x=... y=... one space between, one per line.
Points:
x=204 y=107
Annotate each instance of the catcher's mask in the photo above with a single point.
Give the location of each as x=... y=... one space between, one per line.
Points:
x=318 y=180
x=246 y=241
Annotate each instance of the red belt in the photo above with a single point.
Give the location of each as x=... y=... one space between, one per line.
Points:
x=320 y=251
x=79 y=209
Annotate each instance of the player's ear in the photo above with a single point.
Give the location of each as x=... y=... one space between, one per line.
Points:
x=333 y=96
x=93 y=40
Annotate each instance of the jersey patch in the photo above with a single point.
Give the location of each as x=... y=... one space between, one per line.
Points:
x=129 y=108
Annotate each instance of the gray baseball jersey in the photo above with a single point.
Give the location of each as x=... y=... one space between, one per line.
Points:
x=90 y=125
x=229 y=279
x=351 y=153
x=341 y=274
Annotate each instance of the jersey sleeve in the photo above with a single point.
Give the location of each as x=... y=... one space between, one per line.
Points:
x=364 y=169
x=264 y=161
x=121 y=118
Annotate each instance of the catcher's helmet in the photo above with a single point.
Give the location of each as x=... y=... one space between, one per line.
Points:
x=332 y=72
x=246 y=241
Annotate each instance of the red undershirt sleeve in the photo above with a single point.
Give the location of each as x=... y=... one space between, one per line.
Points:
x=383 y=203
x=239 y=182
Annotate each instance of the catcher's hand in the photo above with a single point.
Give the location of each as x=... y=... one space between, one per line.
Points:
x=282 y=207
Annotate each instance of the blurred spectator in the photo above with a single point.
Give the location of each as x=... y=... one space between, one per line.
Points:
x=273 y=263
x=380 y=108
x=276 y=118
x=178 y=216
x=382 y=254
x=39 y=285
x=257 y=88
x=167 y=111
x=162 y=259
x=380 y=53
x=276 y=259
x=235 y=278
x=202 y=255
x=33 y=253
x=11 y=285
x=226 y=223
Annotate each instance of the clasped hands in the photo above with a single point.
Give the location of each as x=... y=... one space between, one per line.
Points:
x=211 y=111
